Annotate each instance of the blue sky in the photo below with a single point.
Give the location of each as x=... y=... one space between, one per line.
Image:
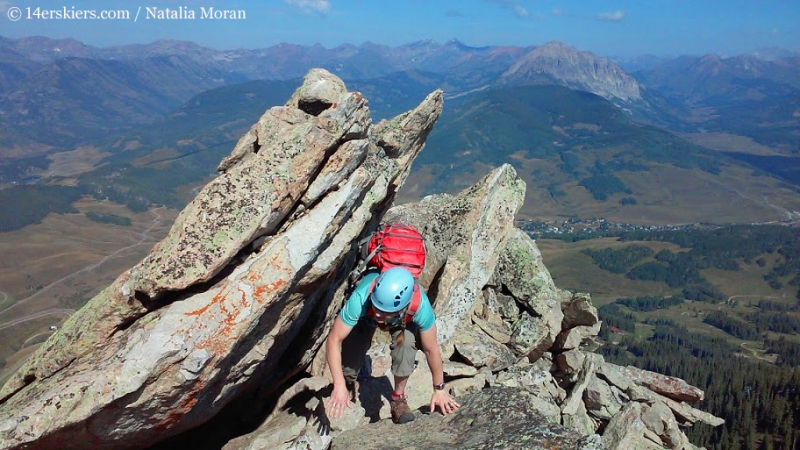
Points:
x=605 y=27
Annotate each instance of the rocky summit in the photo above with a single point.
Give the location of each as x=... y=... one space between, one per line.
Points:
x=227 y=316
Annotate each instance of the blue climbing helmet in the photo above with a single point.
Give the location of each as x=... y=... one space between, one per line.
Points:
x=393 y=290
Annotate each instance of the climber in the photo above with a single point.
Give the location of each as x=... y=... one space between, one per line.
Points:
x=394 y=302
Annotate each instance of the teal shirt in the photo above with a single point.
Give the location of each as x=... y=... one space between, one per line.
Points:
x=358 y=304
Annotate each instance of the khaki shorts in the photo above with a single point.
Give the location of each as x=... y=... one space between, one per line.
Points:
x=356 y=344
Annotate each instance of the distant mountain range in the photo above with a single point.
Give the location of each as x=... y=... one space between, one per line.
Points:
x=163 y=114
x=79 y=92
x=744 y=95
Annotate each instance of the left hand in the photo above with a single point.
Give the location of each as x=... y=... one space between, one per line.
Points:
x=443 y=400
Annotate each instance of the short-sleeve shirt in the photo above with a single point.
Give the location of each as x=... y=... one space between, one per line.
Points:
x=358 y=304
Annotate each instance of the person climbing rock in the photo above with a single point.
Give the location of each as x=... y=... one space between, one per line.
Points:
x=392 y=301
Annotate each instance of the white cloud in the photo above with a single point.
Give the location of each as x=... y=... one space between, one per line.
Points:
x=776 y=31
x=311 y=6
x=557 y=12
x=615 y=16
x=4 y=5
x=514 y=6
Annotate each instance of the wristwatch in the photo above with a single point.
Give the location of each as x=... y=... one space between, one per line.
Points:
x=439 y=387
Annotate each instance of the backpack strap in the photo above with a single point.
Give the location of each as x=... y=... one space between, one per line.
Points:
x=358 y=271
x=416 y=301
x=371 y=310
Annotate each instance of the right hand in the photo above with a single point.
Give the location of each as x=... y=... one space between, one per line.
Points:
x=340 y=398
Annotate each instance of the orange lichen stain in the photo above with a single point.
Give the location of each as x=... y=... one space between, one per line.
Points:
x=182 y=407
x=551 y=445
x=260 y=292
x=334 y=105
x=357 y=95
x=217 y=299
x=253 y=276
x=228 y=312
x=200 y=311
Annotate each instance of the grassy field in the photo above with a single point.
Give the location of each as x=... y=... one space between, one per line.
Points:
x=665 y=195
x=729 y=143
x=63 y=262
x=575 y=271
x=74 y=162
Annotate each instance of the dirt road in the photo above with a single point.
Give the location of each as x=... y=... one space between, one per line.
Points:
x=145 y=235
x=37 y=315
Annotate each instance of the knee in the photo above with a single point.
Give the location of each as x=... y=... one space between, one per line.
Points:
x=350 y=374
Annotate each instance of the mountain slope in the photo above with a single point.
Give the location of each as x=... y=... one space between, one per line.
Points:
x=115 y=87
x=76 y=99
x=582 y=156
x=741 y=95
x=14 y=68
x=546 y=122
x=556 y=63
x=41 y=49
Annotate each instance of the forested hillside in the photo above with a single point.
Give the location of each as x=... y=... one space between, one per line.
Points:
x=749 y=365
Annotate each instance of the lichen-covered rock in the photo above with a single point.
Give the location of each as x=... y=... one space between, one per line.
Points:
x=497 y=418
x=671 y=387
x=573 y=337
x=231 y=309
x=579 y=311
x=320 y=90
x=600 y=399
x=463 y=234
x=205 y=317
x=481 y=351
x=626 y=429
x=685 y=414
x=520 y=271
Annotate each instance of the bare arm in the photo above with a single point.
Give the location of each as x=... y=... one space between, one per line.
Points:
x=430 y=345
x=333 y=349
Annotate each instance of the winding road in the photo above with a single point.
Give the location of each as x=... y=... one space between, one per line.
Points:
x=37 y=315
x=764 y=201
x=145 y=235
x=745 y=296
x=8 y=371
x=755 y=353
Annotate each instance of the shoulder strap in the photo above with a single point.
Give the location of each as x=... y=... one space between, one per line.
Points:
x=356 y=273
x=416 y=300
x=370 y=311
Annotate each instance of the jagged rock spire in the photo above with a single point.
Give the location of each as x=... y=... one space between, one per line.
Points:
x=206 y=316
x=233 y=306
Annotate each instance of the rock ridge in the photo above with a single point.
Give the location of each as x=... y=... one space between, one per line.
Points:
x=232 y=309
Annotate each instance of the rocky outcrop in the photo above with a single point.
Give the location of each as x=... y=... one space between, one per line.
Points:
x=249 y=267
x=519 y=332
x=501 y=418
x=557 y=63
x=233 y=306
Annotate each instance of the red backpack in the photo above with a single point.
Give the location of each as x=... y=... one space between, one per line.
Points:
x=394 y=245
